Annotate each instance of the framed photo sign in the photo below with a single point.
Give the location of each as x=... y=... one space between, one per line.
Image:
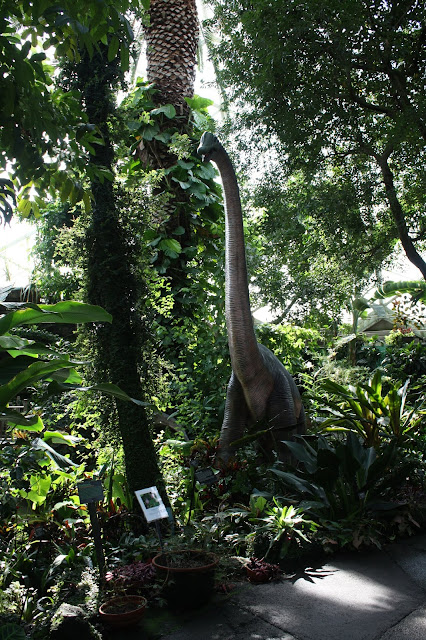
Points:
x=152 y=504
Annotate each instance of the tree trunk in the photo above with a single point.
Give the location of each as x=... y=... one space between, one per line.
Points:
x=172 y=39
x=398 y=216
x=112 y=285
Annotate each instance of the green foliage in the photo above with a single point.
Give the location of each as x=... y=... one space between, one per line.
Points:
x=370 y=412
x=296 y=347
x=416 y=288
x=148 y=126
x=405 y=360
x=334 y=93
x=27 y=362
x=324 y=233
x=345 y=482
x=189 y=323
x=58 y=252
x=44 y=133
x=282 y=525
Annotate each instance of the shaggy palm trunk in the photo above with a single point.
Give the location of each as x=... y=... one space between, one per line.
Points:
x=172 y=38
x=112 y=285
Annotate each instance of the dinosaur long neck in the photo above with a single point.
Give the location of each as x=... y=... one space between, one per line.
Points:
x=244 y=351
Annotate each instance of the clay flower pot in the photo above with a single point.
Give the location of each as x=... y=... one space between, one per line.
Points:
x=123 y=611
x=188 y=575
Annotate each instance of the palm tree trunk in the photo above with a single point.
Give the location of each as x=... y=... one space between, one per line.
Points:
x=172 y=39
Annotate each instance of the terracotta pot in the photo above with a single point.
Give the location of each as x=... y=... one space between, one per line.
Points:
x=188 y=575
x=123 y=611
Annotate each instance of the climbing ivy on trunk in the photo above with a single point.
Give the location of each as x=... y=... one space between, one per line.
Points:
x=111 y=278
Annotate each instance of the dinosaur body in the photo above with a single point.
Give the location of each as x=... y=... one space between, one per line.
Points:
x=260 y=390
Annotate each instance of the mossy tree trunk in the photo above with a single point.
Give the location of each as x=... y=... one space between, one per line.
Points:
x=112 y=284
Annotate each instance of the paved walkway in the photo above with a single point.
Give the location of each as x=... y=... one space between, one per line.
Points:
x=368 y=596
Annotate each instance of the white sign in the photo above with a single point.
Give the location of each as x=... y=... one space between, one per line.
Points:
x=152 y=505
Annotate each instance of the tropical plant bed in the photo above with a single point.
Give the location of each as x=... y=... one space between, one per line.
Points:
x=185 y=560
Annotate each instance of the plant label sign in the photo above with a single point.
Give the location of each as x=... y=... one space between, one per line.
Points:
x=152 y=504
x=206 y=476
x=90 y=491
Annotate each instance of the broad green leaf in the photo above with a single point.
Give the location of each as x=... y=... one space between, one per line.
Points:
x=29 y=376
x=179 y=231
x=14 y=342
x=57 y=437
x=163 y=137
x=87 y=201
x=21 y=421
x=112 y=390
x=66 y=376
x=199 y=190
x=179 y=445
x=113 y=48
x=150 y=132
x=68 y=312
x=32 y=350
x=298 y=483
x=185 y=164
x=41 y=484
x=169 y=244
x=300 y=452
x=57 y=458
x=118 y=484
x=334 y=387
x=168 y=110
x=198 y=103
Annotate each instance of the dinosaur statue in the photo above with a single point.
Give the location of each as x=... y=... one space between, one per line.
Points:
x=260 y=390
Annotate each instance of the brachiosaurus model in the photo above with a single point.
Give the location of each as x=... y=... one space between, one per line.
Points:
x=260 y=390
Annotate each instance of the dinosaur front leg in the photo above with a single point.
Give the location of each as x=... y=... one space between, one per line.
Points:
x=235 y=420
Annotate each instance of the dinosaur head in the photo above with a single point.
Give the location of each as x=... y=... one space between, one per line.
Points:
x=209 y=145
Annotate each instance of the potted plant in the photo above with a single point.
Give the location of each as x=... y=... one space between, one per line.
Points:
x=188 y=576
x=127 y=605
x=123 y=611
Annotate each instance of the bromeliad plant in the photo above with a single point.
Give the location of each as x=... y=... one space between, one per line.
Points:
x=374 y=415
x=283 y=526
x=342 y=481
